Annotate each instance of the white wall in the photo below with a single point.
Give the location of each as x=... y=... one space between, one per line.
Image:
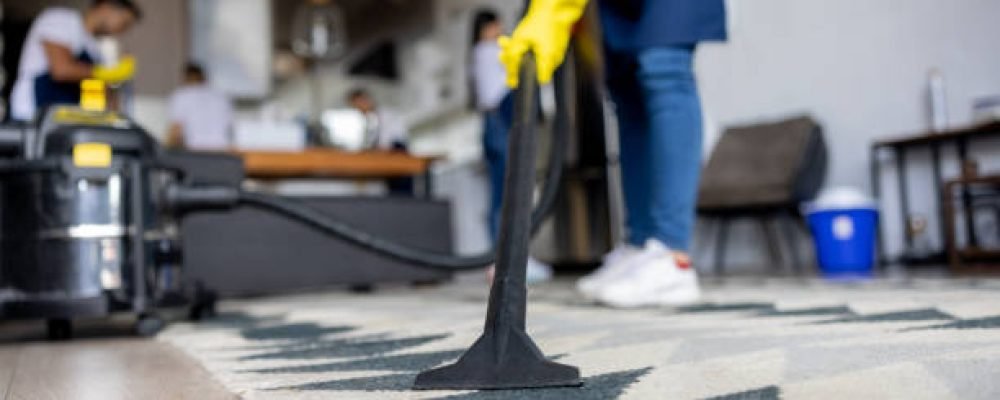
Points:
x=152 y=112
x=859 y=66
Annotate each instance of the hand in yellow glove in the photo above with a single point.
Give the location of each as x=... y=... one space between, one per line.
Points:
x=121 y=72
x=545 y=30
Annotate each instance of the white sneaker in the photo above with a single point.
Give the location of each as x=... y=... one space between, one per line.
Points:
x=538 y=272
x=613 y=264
x=652 y=279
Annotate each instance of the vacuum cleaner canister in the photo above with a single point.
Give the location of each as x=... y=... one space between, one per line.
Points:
x=64 y=241
x=82 y=232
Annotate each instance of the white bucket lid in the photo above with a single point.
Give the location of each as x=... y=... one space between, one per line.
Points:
x=840 y=198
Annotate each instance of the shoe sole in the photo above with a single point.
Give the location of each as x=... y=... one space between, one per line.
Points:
x=591 y=291
x=667 y=299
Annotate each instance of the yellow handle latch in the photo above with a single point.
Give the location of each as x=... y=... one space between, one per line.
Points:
x=92 y=155
x=93 y=95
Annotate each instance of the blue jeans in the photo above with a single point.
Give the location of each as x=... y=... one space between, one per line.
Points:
x=660 y=125
x=496 y=127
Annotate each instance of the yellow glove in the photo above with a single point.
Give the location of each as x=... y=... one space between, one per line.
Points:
x=545 y=30
x=121 y=72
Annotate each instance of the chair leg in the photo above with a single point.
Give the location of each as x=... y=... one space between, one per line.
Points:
x=773 y=248
x=721 y=242
x=788 y=225
x=703 y=242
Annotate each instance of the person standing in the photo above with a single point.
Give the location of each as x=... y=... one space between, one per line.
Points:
x=386 y=130
x=201 y=117
x=649 y=48
x=61 y=50
x=494 y=100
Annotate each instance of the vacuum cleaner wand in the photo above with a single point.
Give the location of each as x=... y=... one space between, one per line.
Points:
x=505 y=357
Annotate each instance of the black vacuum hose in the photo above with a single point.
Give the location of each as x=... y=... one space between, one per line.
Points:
x=527 y=119
x=343 y=231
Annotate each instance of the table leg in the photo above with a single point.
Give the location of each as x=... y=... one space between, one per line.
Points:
x=970 y=229
x=938 y=189
x=904 y=198
x=954 y=259
x=876 y=181
x=427 y=184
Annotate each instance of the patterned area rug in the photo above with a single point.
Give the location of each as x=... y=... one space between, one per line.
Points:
x=764 y=339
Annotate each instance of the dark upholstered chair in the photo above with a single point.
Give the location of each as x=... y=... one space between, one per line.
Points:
x=764 y=172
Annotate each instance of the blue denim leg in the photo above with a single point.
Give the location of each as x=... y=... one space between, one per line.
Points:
x=661 y=139
x=673 y=106
x=496 y=127
x=633 y=130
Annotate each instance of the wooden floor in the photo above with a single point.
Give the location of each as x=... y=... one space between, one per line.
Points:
x=104 y=362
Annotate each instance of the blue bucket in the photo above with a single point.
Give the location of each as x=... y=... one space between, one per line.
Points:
x=845 y=241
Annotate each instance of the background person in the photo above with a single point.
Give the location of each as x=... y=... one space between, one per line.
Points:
x=386 y=131
x=649 y=48
x=201 y=117
x=61 y=51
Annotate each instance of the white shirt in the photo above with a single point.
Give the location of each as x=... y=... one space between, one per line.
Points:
x=62 y=26
x=488 y=75
x=205 y=115
x=388 y=130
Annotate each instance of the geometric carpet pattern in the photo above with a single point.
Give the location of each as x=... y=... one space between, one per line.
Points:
x=749 y=339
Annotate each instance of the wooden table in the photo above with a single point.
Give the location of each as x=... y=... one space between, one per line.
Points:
x=318 y=163
x=328 y=163
x=960 y=139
